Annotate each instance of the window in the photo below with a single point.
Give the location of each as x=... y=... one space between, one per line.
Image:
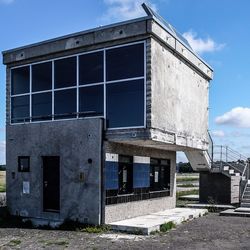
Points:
x=65 y=104
x=91 y=68
x=106 y=83
x=42 y=106
x=20 y=80
x=125 y=104
x=20 y=111
x=159 y=175
x=125 y=174
x=91 y=101
x=125 y=62
x=23 y=164
x=42 y=76
x=65 y=72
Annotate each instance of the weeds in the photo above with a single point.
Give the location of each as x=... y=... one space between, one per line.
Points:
x=167 y=226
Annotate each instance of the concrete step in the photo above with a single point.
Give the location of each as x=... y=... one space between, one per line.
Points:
x=226 y=168
x=244 y=204
x=242 y=209
x=237 y=174
x=245 y=200
x=246 y=196
x=231 y=171
x=152 y=222
x=233 y=212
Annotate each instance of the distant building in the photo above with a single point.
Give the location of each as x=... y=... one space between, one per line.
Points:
x=94 y=120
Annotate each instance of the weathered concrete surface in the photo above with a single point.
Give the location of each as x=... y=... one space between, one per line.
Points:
x=152 y=222
x=219 y=188
x=2 y=199
x=132 y=209
x=179 y=98
x=75 y=142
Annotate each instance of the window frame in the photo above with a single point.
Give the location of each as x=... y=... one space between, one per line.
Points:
x=78 y=86
x=19 y=164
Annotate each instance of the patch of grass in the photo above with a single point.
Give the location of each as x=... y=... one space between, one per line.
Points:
x=186 y=185
x=61 y=242
x=189 y=192
x=95 y=229
x=184 y=179
x=13 y=243
x=2 y=181
x=167 y=226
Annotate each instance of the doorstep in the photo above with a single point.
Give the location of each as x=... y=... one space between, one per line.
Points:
x=152 y=222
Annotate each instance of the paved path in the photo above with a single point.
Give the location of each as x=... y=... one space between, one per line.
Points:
x=205 y=233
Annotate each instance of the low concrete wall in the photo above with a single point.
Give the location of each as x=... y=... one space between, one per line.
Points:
x=137 y=208
x=75 y=142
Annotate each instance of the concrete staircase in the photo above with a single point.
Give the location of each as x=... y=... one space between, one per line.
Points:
x=245 y=201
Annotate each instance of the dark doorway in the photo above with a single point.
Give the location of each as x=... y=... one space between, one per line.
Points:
x=51 y=183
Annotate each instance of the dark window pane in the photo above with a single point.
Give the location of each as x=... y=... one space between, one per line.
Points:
x=65 y=72
x=125 y=62
x=65 y=104
x=20 y=80
x=20 y=108
x=23 y=164
x=91 y=101
x=125 y=104
x=41 y=106
x=42 y=76
x=91 y=68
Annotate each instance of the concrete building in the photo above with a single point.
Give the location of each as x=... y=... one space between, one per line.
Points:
x=94 y=120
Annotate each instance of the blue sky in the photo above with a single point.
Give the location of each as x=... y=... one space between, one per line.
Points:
x=217 y=30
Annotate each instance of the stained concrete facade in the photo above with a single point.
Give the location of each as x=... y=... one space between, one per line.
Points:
x=75 y=142
x=176 y=112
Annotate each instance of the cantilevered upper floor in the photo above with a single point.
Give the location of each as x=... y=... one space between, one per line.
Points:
x=140 y=76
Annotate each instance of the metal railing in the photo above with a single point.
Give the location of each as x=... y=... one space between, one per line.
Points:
x=221 y=156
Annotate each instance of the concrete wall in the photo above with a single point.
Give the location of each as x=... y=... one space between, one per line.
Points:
x=179 y=97
x=75 y=142
x=137 y=208
x=215 y=188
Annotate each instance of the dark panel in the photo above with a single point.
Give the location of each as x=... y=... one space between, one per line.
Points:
x=141 y=175
x=111 y=176
x=51 y=183
x=20 y=80
x=65 y=104
x=214 y=188
x=91 y=68
x=42 y=106
x=65 y=72
x=42 y=76
x=125 y=62
x=91 y=101
x=125 y=104
x=20 y=108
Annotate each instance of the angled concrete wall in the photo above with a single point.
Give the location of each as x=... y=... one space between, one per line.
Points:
x=75 y=142
x=179 y=98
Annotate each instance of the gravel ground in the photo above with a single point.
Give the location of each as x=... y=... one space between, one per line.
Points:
x=209 y=232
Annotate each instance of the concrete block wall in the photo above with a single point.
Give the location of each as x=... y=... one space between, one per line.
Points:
x=132 y=209
x=75 y=142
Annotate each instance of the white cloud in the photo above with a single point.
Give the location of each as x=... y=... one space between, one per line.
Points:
x=237 y=117
x=6 y=1
x=124 y=9
x=218 y=133
x=200 y=45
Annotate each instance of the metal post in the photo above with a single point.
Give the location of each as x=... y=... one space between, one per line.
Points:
x=226 y=153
